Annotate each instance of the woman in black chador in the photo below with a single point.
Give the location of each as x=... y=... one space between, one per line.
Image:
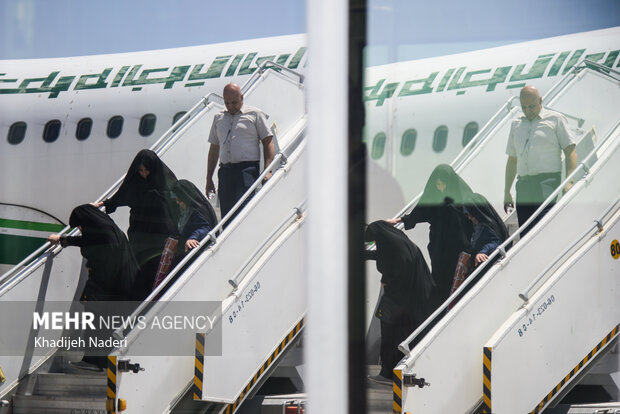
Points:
x=441 y=205
x=146 y=190
x=407 y=286
x=112 y=267
x=112 y=270
x=197 y=217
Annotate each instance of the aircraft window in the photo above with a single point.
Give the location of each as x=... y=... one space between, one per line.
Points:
x=407 y=143
x=440 y=139
x=115 y=126
x=83 y=129
x=51 y=131
x=147 y=125
x=17 y=132
x=469 y=132
x=178 y=116
x=378 y=146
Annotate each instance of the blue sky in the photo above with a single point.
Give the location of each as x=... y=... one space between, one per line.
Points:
x=398 y=29
x=58 y=28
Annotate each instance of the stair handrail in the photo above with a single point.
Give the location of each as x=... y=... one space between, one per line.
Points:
x=596 y=224
x=502 y=248
x=30 y=258
x=601 y=68
x=234 y=281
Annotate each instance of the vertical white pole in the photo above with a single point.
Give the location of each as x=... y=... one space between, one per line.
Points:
x=326 y=337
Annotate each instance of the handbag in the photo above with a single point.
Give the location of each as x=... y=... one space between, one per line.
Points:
x=463 y=269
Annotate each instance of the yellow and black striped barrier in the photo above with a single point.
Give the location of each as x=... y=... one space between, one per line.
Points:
x=231 y=408
x=111 y=396
x=199 y=366
x=575 y=370
x=397 y=389
x=486 y=380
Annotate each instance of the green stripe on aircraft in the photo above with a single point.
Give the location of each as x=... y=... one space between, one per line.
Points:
x=31 y=225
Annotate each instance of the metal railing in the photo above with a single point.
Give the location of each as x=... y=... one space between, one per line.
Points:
x=234 y=281
x=598 y=224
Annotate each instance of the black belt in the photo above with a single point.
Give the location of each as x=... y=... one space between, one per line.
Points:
x=241 y=164
x=539 y=177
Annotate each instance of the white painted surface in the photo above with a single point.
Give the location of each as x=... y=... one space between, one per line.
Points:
x=561 y=324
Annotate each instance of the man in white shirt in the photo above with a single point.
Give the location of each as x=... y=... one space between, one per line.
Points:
x=534 y=149
x=235 y=137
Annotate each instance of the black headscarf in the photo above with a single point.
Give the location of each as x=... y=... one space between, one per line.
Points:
x=456 y=188
x=193 y=198
x=479 y=207
x=402 y=266
x=130 y=192
x=113 y=267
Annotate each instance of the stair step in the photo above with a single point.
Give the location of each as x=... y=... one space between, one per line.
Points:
x=59 y=384
x=49 y=404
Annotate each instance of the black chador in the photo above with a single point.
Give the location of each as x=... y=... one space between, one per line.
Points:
x=441 y=205
x=111 y=265
x=146 y=190
x=112 y=270
x=407 y=284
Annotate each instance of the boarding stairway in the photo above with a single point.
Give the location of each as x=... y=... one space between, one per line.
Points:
x=448 y=360
x=571 y=307
x=253 y=262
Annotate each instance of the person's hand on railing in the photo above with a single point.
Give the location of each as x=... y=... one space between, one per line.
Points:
x=481 y=258
x=97 y=204
x=568 y=186
x=267 y=177
x=394 y=221
x=53 y=238
x=191 y=244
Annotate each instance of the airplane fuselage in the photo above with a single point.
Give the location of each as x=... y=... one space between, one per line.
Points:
x=70 y=126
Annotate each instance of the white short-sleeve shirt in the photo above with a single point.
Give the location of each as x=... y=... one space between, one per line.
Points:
x=239 y=135
x=538 y=144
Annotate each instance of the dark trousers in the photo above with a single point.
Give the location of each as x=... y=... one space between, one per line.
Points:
x=532 y=191
x=234 y=180
x=393 y=334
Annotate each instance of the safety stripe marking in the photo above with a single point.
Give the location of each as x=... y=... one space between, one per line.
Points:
x=231 y=408
x=112 y=382
x=397 y=389
x=199 y=366
x=486 y=380
x=575 y=370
